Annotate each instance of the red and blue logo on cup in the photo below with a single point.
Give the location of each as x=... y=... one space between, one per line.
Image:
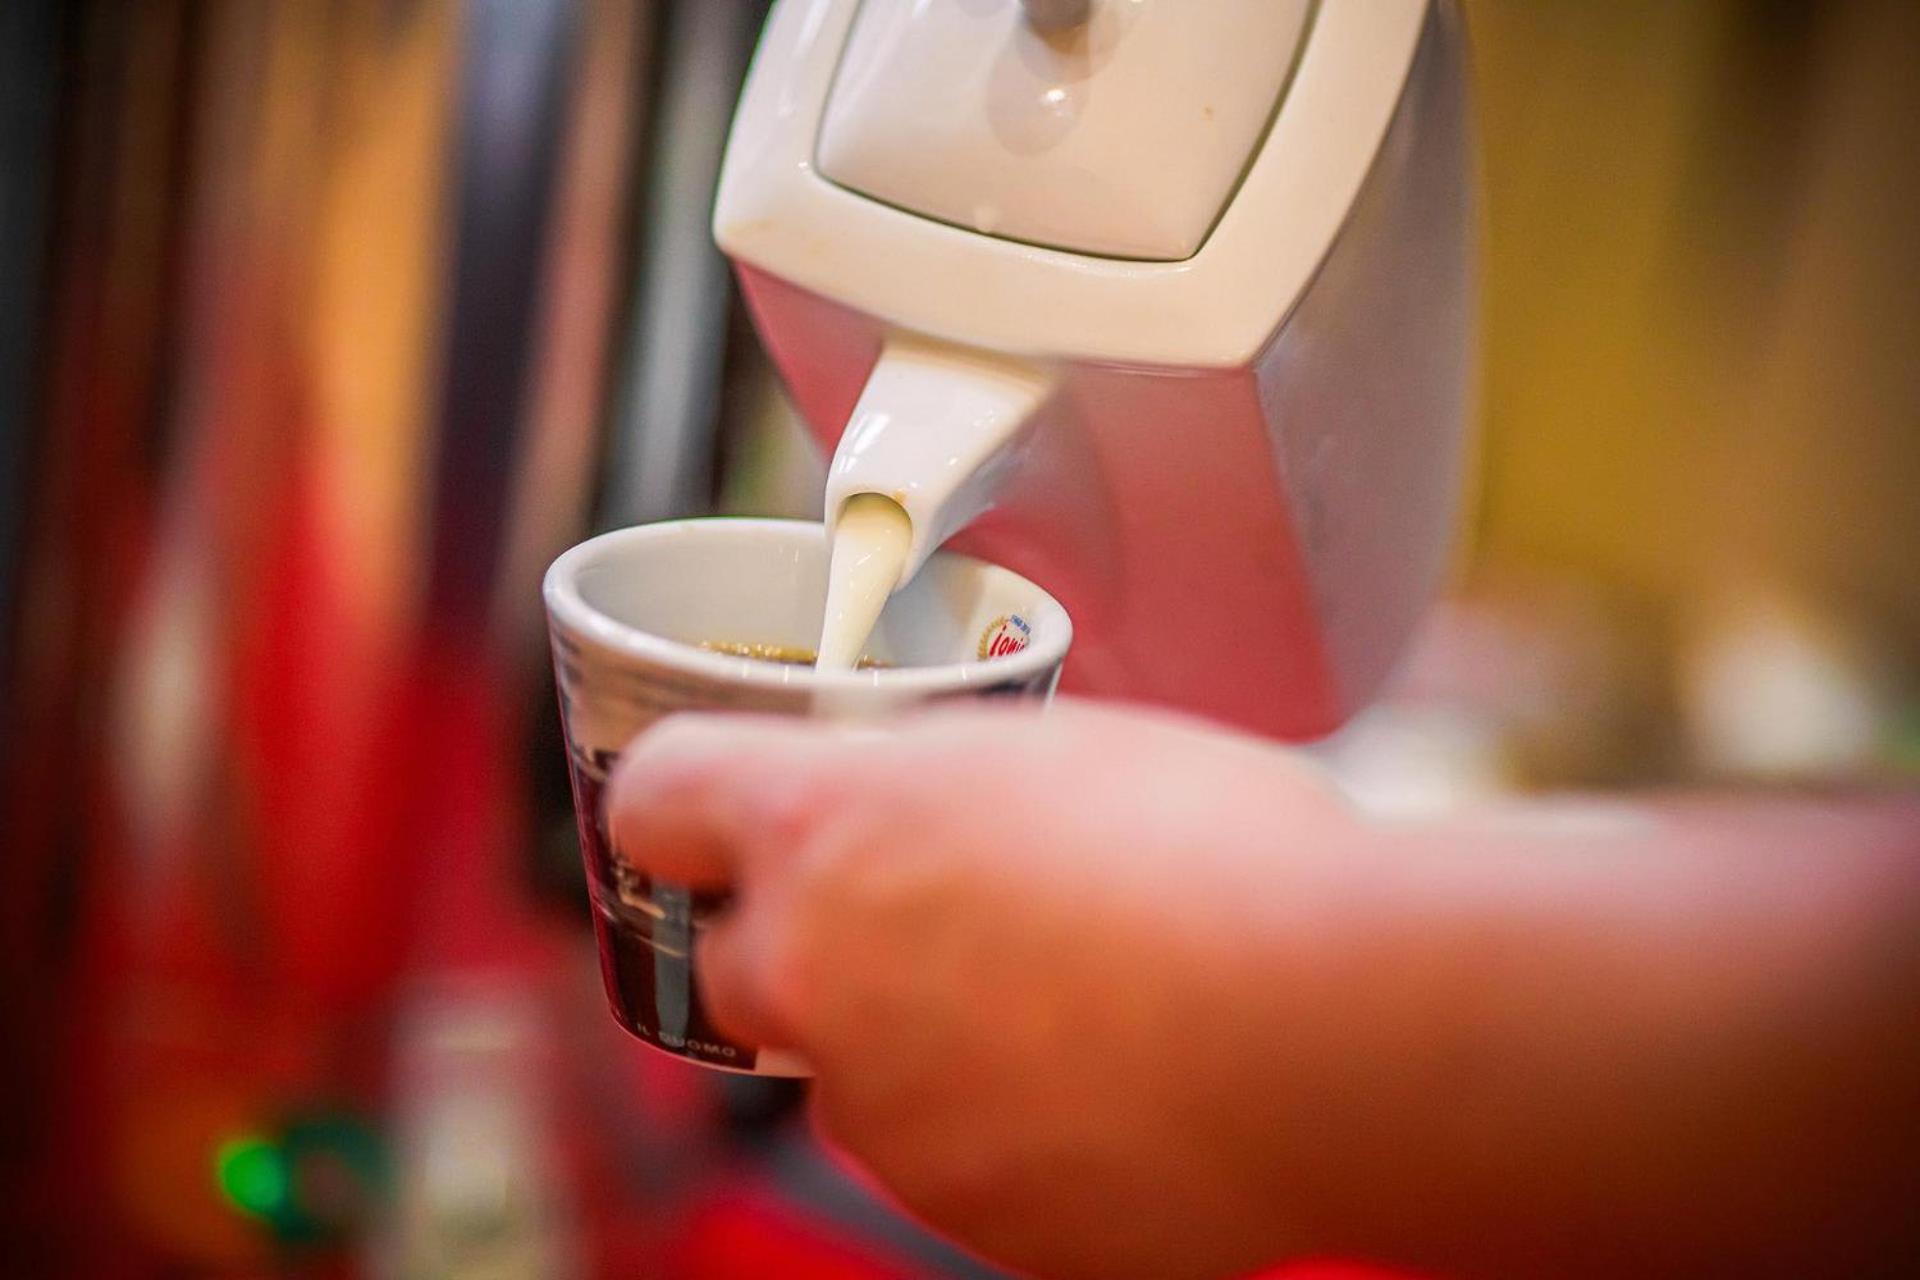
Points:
x=1005 y=635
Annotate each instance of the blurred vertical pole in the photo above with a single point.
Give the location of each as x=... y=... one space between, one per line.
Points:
x=517 y=60
x=586 y=256
x=520 y=62
x=29 y=51
x=662 y=451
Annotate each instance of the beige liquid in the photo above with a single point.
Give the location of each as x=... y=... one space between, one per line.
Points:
x=869 y=551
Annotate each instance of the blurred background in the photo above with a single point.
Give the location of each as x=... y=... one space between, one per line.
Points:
x=325 y=324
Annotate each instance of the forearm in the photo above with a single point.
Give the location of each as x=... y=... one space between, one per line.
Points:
x=1115 y=995
x=1612 y=1041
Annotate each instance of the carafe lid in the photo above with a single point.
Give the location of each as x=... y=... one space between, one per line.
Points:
x=1119 y=128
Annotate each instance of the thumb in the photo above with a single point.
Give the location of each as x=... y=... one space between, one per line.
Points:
x=696 y=797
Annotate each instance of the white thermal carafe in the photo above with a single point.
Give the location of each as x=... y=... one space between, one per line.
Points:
x=1166 y=304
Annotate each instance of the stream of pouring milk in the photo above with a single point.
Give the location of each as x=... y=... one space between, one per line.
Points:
x=869 y=550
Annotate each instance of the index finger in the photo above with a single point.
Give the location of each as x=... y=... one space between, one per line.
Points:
x=698 y=796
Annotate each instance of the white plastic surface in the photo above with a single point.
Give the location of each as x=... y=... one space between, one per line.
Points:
x=930 y=431
x=1217 y=309
x=1244 y=481
x=1122 y=135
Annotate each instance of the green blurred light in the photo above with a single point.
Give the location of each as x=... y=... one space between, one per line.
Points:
x=252 y=1175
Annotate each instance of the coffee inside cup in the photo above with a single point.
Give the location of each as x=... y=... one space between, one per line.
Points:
x=791 y=655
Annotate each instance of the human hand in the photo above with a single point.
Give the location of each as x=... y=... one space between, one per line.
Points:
x=1011 y=947
x=1102 y=993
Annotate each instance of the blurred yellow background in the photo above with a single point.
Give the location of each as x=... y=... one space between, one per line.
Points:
x=1702 y=323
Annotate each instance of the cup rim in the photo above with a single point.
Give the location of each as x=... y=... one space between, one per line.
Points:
x=572 y=613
